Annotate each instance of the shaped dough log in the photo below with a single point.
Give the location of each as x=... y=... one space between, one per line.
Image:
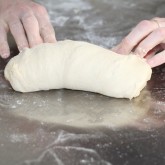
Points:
x=80 y=66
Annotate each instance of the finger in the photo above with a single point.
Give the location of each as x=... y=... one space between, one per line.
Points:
x=163 y=45
x=18 y=33
x=155 y=38
x=31 y=27
x=159 y=21
x=157 y=60
x=4 y=47
x=153 y=51
x=46 y=29
x=135 y=36
x=47 y=33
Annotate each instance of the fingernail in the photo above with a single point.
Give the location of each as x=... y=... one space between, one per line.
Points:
x=5 y=55
x=117 y=49
x=114 y=49
x=151 y=62
x=21 y=48
x=140 y=52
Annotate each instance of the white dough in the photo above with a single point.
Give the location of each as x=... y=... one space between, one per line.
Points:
x=79 y=66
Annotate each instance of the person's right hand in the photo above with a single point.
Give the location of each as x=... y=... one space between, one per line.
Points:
x=146 y=40
x=27 y=21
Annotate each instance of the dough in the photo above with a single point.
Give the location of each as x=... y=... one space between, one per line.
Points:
x=79 y=66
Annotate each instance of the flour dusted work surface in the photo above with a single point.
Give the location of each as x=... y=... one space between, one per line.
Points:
x=78 y=65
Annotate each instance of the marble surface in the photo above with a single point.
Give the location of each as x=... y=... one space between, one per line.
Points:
x=64 y=127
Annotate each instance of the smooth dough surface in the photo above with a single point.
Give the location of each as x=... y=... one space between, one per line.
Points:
x=78 y=65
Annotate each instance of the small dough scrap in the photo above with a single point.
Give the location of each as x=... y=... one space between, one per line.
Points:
x=78 y=65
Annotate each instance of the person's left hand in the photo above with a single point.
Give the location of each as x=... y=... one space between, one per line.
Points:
x=147 y=40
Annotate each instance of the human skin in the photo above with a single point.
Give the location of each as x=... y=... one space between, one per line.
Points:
x=147 y=40
x=27 y=21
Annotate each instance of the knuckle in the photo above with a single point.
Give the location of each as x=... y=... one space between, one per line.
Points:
x=9 y=11
x=21 y=10
x=24 y=8
x=28 y=18
x=41 y=10
x=26 y=13
x=156 y=18
x=144 y=23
